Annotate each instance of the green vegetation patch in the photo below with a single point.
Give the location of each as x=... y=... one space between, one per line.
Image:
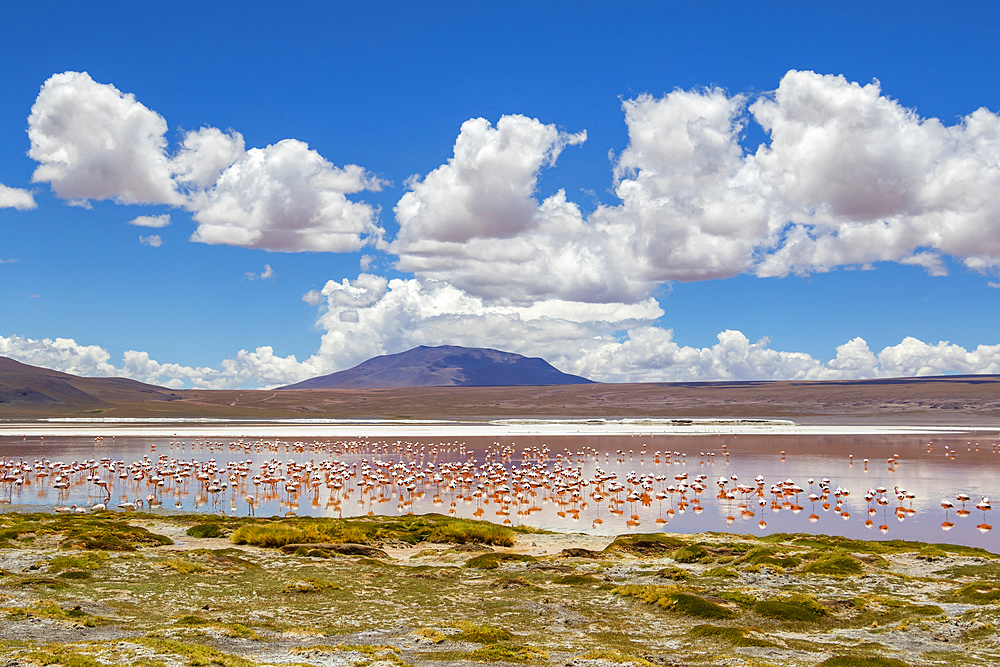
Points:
x=745 y=600
x=277 y=533
x=978 y=592
x=691 y=553
x=881 y=547
x=673 y=574
x=673 y=599
x=197 y=655
x=577 y=580
x=50 y=609
x=836 y=564
x=987 y=570
x=795 y=608
x=521 y=654
x=205 y=530
x=106 y=531
x=481 y=634
x=861 y=661
x=57 y=654
x=83 y=562
x=732 y=635
x=492 y=561
x=182 y=566
x=645 y=544
x=770 y=556
x=617 y=657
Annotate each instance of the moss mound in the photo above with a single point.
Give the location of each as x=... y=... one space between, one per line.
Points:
x=861 y=661
x=205 y=530
x=492 y=561
x=794 y=609
x=837 y=564
x=372 y=530
x=732 y=635
x=645 y=544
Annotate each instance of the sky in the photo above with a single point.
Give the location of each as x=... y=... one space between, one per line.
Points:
x=246 y=195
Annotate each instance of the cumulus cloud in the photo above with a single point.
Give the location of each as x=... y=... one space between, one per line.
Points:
x=371 y=315
x=154 y=221
x=61 y=354
x=868 y=180
x=847 y=177
x=693 y=206
x=260 y=367
x=94 y=142
x=620 y=342
x=22 y=200
x=287 y=197
x=487 y=188
x=475 y=222
x=205 y=154
x=152 y=240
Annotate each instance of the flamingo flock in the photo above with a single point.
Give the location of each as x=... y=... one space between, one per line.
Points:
x=502 y=482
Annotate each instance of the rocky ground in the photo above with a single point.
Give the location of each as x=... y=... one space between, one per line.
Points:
x=144 y=590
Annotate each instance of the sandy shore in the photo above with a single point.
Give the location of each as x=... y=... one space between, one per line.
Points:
x=446 y=429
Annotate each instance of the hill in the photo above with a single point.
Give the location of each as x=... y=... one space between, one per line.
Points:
x=445 y=366
x=32 y=388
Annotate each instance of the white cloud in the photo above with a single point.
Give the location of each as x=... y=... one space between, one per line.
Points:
x=205 y=154
x=94 y=142
x=152 y=240
x=913 y=357
x=869 y=180
x=693 y=206
x=267 y=273
x=22 y=200
x=61 y=354
x=154 y=221
x=486 y=190
x=247 y=369
x=849 y=177
x=474 y=222
x=371 y=315
x=287 y=197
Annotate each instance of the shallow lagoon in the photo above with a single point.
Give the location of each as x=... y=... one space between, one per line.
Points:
x=525 y=478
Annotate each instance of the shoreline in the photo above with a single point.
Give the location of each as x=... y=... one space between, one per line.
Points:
x=456 y=428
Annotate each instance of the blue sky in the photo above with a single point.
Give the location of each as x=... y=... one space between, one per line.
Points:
x=620 y=209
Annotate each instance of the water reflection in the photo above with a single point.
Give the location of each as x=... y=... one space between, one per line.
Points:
x=875 y=487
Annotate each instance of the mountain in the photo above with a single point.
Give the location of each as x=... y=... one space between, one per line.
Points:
x=28 y=386
x=444 y=366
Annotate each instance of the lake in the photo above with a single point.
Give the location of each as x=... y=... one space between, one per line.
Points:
x=599 y=480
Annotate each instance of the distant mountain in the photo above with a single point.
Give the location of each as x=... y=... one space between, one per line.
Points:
x=444 y=366
x=28 y=386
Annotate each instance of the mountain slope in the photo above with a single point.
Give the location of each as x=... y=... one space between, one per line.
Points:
x=33 y=386
x=444 y=366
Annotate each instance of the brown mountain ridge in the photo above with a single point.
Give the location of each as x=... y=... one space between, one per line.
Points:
x=31 y=393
